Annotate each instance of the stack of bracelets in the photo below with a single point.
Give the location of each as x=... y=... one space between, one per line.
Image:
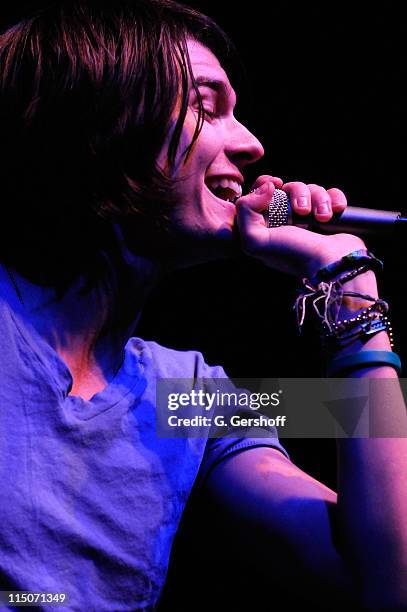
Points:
x=325 y=292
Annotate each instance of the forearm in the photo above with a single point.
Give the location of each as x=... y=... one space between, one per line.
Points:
x=372 y=478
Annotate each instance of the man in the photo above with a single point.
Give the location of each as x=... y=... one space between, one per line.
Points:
x=125 y=161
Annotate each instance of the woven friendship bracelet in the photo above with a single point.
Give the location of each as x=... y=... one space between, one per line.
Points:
x=326 y=297
x=353 y=260
x=329 y=296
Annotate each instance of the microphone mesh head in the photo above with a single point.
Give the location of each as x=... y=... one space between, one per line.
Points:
x=278 y=210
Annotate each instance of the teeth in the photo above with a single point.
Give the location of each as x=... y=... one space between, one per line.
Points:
x=225 y=183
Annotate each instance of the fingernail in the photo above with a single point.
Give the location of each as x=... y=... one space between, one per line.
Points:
x=322 y=208
x=302 y=202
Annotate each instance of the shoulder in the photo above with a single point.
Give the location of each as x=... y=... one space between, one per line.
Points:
x=173 y=363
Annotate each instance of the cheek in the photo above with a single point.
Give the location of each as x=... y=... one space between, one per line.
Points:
x=183 y=143
x=205 y=149
x=210 y=142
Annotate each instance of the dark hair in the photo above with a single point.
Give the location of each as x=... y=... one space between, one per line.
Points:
x=87 y=89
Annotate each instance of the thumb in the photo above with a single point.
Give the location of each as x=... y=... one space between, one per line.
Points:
x=257 y=200
x=250 y=220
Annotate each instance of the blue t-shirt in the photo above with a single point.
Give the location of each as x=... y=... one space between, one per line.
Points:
x=90 y=497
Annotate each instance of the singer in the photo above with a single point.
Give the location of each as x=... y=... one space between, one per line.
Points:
x=124 y=162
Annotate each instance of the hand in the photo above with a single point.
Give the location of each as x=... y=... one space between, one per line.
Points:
x=291 y=249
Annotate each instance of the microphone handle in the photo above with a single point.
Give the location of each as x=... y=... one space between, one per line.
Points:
x=353 y=220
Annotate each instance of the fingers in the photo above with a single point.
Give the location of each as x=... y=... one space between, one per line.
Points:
x=321 y=203
x=338 y=199
x=311 y=198
x=289 y=249
x=305 y=198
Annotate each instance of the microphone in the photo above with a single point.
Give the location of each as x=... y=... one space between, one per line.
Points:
x=353 y=220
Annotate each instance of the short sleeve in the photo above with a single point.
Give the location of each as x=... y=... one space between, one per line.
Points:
x=218 y=448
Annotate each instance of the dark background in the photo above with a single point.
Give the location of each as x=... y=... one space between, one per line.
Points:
x=325 y=93
x=326 y=96
x=322 y=86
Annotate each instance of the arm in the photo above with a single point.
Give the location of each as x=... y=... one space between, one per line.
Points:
x=347 y=548
x=372 y=482
x=283 y=522
x=286 y=513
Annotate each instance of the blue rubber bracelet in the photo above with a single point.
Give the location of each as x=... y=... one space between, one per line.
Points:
x=363 y=359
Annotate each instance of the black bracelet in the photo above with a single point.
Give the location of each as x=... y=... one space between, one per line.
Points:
x=353 y=260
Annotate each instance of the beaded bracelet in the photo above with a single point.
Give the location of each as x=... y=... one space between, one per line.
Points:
x=366 y=324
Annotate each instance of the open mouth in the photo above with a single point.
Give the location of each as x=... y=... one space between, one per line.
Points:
x=225 y=189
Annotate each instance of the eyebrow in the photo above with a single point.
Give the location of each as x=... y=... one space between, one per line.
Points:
x=215 y=84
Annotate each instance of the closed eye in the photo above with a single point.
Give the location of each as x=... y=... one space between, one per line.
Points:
x=209 y=99
x=209 y=113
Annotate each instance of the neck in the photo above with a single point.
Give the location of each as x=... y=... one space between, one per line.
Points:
x=87 y=330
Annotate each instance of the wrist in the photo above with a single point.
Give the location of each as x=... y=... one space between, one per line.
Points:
x=361 y=323
x=365 y=284
x=379 y=342
x=343 y=298
x=333 y=249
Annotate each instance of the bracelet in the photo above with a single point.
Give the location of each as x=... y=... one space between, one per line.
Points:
x=363 y=296
x=329 y=296
x=353 y=260
x=352 y=274
x=325 y=291
x=366 y=324
x=367 y=329
x=323 y=299
x=363 y=359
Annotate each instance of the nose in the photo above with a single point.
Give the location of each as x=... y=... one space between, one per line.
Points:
x=242 y=146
